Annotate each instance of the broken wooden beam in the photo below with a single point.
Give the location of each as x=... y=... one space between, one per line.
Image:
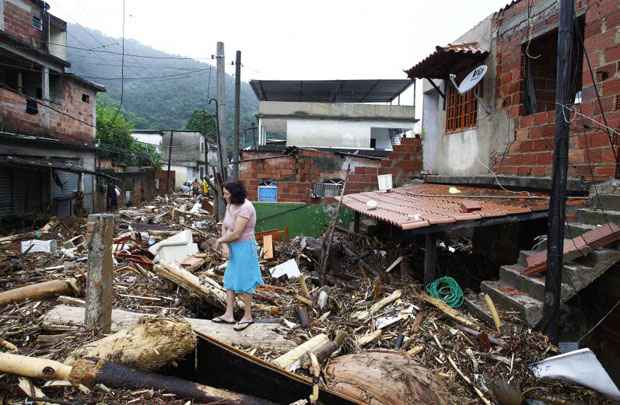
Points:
x=377 y=306
x=39 y=291
x=89 y=373
x=265 y=335
x=443 y=307
x=205 y=288
x=292 y=358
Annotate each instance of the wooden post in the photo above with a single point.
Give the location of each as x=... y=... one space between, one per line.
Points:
x=430 y=258
x=98 y=315
x=356 y=222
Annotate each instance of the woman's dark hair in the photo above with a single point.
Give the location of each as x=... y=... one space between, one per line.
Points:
x=237 y=192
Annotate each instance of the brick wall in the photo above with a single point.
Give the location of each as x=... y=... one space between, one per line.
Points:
x=296 y=174
x=590 y=155
x=50 y=123
x=18 y=23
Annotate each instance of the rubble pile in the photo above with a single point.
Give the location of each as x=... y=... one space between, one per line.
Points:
x=368 y=303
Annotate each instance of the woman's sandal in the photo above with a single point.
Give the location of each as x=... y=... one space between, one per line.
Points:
x=242 y=325
x=219 y=319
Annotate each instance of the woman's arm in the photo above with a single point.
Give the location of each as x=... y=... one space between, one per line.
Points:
x=240 y=224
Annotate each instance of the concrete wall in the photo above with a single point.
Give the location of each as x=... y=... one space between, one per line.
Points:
x=58 y=42
x=470 y=151
x=338 y=134
x=337 y=110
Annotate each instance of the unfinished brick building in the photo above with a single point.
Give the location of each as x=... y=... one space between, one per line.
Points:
x=302 y=174
x=47 y=116
x=505 y=126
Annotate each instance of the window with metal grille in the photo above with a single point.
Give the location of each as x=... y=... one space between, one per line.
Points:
x=37 y=23
x=461 y=110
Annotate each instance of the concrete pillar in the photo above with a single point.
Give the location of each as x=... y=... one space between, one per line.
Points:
x=45 y=83
x=98 y=309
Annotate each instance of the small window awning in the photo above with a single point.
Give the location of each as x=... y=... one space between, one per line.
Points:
x=454 y=58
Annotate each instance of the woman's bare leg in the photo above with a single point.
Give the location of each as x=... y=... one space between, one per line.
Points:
x=229 y=315
x=247 y=311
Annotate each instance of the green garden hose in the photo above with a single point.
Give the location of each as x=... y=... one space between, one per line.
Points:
x=446 y=289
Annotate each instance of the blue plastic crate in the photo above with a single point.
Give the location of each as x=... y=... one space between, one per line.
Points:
x=268 y=193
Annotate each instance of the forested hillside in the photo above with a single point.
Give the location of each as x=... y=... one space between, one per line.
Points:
x=161 y=90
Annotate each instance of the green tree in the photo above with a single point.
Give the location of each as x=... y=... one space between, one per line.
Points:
x=202 y=121
x=114 y=139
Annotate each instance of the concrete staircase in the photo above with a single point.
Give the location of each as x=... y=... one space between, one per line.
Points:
x=524 y=294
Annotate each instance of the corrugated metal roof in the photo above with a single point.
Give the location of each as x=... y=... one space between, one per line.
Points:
x=448 y=59
x=330 y=91
x=423 y=205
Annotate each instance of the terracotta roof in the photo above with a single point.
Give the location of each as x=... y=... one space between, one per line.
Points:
x=449 y=59
x=423 y=205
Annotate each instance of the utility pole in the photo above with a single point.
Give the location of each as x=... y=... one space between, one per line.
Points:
x=221 y=103
x=557 y=204
x=235 y=149
x=169 y=162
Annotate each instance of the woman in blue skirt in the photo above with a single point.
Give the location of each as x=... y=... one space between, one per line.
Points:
x=243 y=272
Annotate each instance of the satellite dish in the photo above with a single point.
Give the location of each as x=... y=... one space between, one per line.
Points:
x=471 y=80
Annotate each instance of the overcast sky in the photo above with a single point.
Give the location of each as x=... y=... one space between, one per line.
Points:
x=294 y=39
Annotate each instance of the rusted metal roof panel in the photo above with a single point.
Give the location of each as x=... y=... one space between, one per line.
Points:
x=422 y=205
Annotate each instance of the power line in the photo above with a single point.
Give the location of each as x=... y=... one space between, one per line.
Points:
x=120 y=105
x=170 y=76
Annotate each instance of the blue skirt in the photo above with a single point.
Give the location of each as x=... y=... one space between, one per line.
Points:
x=243 y=271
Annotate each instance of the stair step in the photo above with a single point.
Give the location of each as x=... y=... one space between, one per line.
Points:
x=606 y=201
x=523 y=255
x=511 y=298
x=475 y=304
x=512 y=276
x=574 y=229
x=592 y=216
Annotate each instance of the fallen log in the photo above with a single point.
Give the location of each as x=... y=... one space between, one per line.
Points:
x=148 y=345
x=39 y=291
x=264 y=335
x=321 y=353
x=385 y=378
x=292 y=358
x=114 y=375
x=205 y=288
x=377 y=306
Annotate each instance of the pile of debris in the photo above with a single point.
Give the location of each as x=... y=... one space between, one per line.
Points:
x=369 y=332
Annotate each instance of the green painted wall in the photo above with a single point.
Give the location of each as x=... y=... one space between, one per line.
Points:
x=302 y=219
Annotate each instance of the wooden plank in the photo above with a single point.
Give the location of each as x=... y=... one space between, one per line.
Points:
x=394 y=264
x=268 y=247
x=264 y=335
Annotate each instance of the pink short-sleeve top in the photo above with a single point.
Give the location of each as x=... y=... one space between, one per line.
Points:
x=245 y=210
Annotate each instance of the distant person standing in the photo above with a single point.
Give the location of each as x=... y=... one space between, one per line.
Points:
x=242 y=274
x=205 y=187
x=195 y=188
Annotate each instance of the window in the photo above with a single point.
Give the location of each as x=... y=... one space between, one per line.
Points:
x=538 y=67
x=37 y=23
x=373 y=143
x=86 y=98
x=461 y=109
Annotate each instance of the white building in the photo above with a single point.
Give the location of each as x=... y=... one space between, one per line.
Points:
x=333 y=114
